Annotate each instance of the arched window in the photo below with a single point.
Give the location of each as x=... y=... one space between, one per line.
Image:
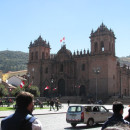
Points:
x=32 y=56
x=83 y=67
x=43 y=55
x=95 y=47
x=46 y=70
x=36 y=55
x=102 y=46
x=109 y=47
x=61 y=68
x=46 y=55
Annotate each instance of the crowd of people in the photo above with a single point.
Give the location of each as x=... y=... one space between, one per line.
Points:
x=6 y=101
x=55 y=103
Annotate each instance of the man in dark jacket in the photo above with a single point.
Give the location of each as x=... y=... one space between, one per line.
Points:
x=22 y=119
x=117 y=117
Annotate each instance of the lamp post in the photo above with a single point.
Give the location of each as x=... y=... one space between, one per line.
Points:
x=28 y=75
x=52 y=81
x=33 y=75
x=96 y=71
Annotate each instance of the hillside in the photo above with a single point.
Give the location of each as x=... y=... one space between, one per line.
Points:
x=13 y=60
x=16 y=60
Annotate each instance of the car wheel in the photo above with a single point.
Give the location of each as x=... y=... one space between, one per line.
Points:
x=90 y=122
x=73 y=124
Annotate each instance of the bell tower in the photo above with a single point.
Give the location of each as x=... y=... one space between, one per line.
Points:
x=102 y=41
x=39 y=50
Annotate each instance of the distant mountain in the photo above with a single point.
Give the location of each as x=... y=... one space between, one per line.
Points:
x=17 y=60
x=13 y=60
x=124 y=60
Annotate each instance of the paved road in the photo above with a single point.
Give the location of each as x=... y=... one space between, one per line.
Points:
x=58 y=122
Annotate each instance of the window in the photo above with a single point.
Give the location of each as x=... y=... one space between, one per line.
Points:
x=96 y=109
x=61 y=68
x=36 y=55
x=43 y=55
x=102 y=46
x=46 y=70
x=95 y=47
x=113 y=76
x=32 y=56
x=102 y=109
x=88 y=109
x=83 y=67
x=75 y=109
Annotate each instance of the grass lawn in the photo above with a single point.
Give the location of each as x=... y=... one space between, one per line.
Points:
x=6 y=108
x=11 y=108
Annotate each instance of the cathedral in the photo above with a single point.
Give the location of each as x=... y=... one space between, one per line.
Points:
x=95 y=73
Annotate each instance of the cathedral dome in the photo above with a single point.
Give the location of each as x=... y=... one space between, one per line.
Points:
x=64 y=50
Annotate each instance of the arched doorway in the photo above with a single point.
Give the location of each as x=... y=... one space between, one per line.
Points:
x=82 y=91
x=61 y=87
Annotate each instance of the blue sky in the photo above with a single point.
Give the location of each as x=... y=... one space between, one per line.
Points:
x=22 y=21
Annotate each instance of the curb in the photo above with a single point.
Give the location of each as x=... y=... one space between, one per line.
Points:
x=40 y=114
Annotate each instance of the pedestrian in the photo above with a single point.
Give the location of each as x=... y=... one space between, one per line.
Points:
x=22 y=119
x=117 y=117
x=52 y=105
x=128 y=116
x=57 y=104
x=47 y=102
x=68 y=102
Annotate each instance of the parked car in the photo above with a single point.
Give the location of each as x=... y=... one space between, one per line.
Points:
x=87 y=114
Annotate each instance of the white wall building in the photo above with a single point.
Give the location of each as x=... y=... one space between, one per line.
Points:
x=15 y=80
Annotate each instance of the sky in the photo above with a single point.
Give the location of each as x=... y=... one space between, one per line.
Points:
x=23 y=21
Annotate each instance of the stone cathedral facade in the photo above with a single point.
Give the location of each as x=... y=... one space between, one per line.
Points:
x=83 y=73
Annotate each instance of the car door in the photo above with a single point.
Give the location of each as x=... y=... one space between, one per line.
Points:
x=103 y=114
x=96 y=114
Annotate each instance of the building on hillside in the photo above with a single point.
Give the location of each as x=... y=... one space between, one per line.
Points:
x=94 y=74
x=13 y=73
x=16 y=80
x=8 y=86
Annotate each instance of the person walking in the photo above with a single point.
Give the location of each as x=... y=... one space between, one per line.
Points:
x=52 y=105
x=22 y=119
x=117 y=117
x=128 y=116
x=57 y=104
x=68 y=102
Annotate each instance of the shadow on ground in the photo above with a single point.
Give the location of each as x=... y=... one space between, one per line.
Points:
x=81 y=127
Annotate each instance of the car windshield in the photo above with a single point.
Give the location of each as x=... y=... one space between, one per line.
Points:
x=75 y=109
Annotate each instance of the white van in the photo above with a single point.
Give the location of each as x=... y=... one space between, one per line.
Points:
x=87 y=114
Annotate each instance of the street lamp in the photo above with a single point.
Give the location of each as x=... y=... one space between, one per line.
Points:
x=33 y=75
x=52 y=81
x=96 y=71
x=28 y=75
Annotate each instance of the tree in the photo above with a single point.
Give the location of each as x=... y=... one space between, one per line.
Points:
x=3 y=91
x=32 y=89
x=16 y=91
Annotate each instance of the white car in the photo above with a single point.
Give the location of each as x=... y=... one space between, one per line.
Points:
x=87 y=114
